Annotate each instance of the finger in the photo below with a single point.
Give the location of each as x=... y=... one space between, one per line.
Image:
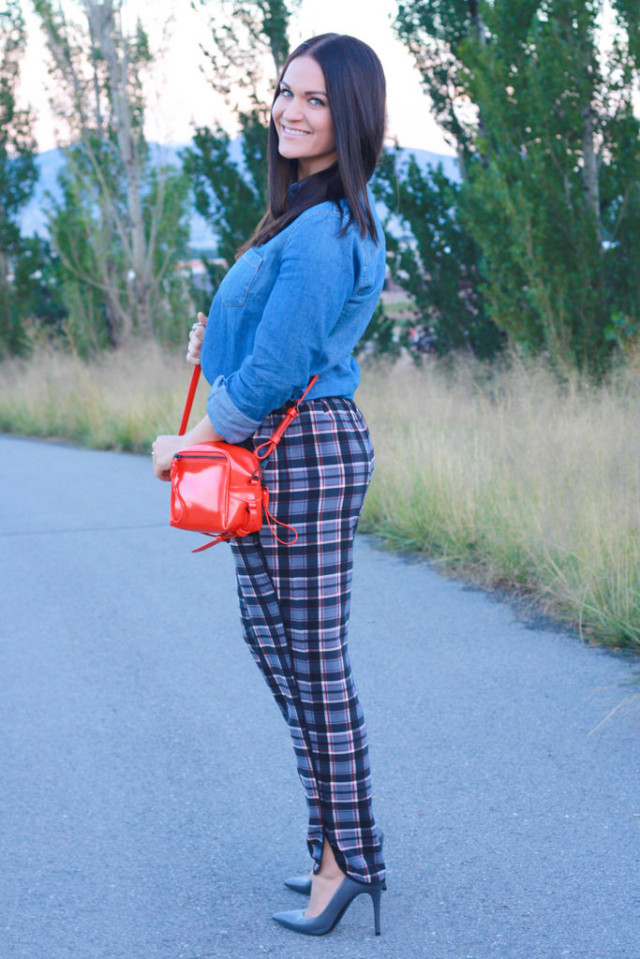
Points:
x=196 y=337
x=194 y=348
x=200 y=323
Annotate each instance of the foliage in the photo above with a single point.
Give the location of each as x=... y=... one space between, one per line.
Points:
x=37 y=284
x=381 y=337
x=548 y=144
x=439 y=264
x=121 y=223
x=433 y=32
x=18 y=175
x=232 y=198
x=250 y=40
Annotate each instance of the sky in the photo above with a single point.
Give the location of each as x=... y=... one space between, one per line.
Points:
x=179 y=96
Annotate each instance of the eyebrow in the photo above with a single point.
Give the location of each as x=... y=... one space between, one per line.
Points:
x=307 y=93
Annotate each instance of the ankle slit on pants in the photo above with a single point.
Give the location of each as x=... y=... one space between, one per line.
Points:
x=294 y=605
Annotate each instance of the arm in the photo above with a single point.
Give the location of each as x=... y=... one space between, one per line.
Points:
x=293 y=339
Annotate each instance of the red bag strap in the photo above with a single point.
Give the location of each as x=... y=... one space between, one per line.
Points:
x=275 y=438
x=193 y=386
x=270 y=444
x=272 y=522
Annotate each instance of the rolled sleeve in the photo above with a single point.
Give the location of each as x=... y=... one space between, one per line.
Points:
x=227 y=420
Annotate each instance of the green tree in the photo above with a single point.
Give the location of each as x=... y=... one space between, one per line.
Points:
x=548 y=143
x=38 y=291
x=121 y=224
x=18 y=176
x=434 y=258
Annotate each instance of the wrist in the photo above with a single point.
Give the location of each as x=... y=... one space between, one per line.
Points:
x=202 y=432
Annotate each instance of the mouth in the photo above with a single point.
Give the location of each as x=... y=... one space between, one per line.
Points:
x=289 y=132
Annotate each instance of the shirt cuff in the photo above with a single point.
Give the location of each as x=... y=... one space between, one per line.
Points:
x=227 y=420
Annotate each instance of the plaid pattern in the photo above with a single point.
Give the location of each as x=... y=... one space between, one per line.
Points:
x=294 y=603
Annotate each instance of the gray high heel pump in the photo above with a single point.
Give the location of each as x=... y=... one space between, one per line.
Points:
x=347 y=891
x=302 y=884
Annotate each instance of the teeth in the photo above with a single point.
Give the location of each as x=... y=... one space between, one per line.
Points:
x=295 y=133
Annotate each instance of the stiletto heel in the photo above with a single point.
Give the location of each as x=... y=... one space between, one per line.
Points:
x=376 y=895
x=302 y=884
x=347 y=891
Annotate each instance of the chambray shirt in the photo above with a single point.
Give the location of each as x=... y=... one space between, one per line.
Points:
x=289 y=309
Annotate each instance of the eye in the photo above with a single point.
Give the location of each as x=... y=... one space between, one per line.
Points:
x=317 y=102
x=283 y=92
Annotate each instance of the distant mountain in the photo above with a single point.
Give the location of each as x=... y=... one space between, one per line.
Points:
x=425 y=159
x=34 y=216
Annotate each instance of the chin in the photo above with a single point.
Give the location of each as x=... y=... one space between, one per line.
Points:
x=290 y=154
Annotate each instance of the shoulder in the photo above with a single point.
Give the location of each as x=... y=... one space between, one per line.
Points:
x=315 y=237
x=328 y=226
x=324 y=219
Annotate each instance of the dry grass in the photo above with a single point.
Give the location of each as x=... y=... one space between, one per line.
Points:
x=120 y=401
x=518 y=481
x=505 y=475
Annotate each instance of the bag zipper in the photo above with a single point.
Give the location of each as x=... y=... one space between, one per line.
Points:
x=199 y=456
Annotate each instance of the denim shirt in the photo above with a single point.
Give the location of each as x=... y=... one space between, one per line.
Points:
x=289 y=309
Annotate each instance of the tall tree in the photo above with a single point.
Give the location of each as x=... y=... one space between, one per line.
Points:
x=432 y=255
x=122 y=221
x=435 y=259
x=546 y=132
x=18 y=171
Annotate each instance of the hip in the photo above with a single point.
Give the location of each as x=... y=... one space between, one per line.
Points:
x=329 y=436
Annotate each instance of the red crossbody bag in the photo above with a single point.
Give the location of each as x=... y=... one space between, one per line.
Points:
x=217 y=488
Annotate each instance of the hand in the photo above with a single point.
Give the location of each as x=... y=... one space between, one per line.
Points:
x=164 y=447
x=162 y=450
x=196 y=336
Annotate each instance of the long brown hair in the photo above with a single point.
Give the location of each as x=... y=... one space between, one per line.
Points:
x=356 y=92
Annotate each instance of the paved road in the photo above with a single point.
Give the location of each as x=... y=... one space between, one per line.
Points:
x=148 y=799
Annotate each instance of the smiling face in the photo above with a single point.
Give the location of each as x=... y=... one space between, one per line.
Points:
x=303 y=119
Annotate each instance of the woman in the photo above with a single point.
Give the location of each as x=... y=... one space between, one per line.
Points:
x=294 y=305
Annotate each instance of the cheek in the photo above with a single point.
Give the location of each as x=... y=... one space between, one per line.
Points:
x=330 y=132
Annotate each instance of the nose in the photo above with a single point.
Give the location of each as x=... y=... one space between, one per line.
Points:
x=292 y=110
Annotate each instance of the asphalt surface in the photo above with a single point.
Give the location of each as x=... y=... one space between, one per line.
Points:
x=149 y=805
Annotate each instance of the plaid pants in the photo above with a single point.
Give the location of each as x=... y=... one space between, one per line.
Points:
x=294 y=604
